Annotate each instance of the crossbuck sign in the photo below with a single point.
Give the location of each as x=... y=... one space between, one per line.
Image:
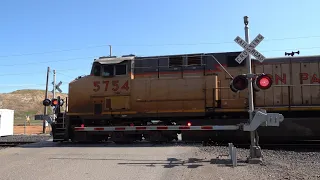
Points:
x=58 y=88
x=249 y=48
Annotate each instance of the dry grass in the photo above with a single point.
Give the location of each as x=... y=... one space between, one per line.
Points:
x=30 y=130
x=26 y=103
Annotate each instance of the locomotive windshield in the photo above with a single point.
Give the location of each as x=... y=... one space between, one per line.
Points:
x=96 y=69
x=108 y=70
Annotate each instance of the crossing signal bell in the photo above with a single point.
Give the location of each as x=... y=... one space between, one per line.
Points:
x=240 y=82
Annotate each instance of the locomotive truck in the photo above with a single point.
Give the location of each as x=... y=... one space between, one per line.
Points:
x=190 y=90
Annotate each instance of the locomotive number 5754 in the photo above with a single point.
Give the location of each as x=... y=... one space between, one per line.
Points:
x=115 y=85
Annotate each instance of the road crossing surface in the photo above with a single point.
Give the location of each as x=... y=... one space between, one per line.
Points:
x=48 y=160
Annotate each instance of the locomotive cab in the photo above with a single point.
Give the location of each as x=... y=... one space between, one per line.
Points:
x=105 y=90
x=110 y=66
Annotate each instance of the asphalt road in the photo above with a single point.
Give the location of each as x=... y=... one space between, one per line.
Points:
x=48 y=161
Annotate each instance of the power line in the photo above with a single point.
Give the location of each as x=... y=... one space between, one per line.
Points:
x=42 y=62
x=291 y=49
x=73 y=59
x=63 y=70
x=20 y=73
x=36 y=72
x=21 y=85
x=174 y=44
x=65 y=75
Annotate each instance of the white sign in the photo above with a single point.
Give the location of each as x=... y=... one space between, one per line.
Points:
x=58 y=88
x=249 y=48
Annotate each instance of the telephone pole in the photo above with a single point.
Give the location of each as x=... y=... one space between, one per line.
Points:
x=54 y=84
x=54 y=92
x=110 y=50
x=46 y=97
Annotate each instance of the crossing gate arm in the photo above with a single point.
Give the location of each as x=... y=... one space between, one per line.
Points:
x=47 y=118
x=261 y=118
x=162 y=128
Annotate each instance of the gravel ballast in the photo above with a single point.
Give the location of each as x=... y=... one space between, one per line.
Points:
x=24 y=138
x=277 y=164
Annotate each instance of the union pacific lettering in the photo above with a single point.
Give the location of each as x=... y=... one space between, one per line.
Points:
x=282 y=79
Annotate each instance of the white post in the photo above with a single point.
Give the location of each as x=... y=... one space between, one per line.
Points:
x=234 y=156
x=230 y=150
x=253 y=145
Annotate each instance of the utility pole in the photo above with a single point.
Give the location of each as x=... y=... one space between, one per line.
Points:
x=54 y=84
x=255 y=151
x=110 y=50
x=54 y=91
x=46 y=97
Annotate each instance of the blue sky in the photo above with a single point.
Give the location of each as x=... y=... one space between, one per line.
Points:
x=68 y=35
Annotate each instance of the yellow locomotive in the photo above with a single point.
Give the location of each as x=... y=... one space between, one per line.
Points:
x=188 y=89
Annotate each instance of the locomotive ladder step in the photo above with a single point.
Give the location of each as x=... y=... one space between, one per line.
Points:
x=59 y=134
x=60 y=124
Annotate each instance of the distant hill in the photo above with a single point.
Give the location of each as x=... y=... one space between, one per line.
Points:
x=25 y=102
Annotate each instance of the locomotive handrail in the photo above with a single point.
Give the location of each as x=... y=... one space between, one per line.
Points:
x=290 y=85
x=310 y=84
x=203 y=54
x=169 y=66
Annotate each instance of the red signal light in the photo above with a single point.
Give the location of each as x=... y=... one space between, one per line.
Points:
x=239 y=83
x=263 y=81
x=189 y=124
x=54 y=102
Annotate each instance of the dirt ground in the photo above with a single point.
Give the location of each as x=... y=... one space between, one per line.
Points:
x=30 y=130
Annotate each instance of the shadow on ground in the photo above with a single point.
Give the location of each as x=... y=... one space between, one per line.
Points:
x=169 y=163
x=276 y=147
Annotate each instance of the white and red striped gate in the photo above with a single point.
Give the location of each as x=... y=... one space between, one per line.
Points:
x=157 y=128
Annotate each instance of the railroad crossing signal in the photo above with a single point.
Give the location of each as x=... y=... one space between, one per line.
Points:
x=53 y=102
x=249 y=48
x=58 y=88
x=263 y=82
x=240 y=82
